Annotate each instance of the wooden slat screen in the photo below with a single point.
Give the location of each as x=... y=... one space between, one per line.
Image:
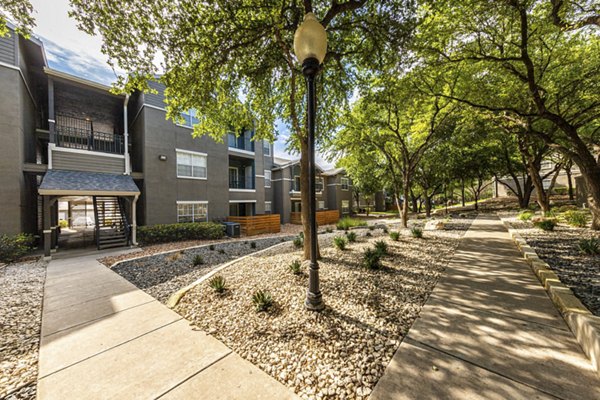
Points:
x=323 y=217
x=257 y=224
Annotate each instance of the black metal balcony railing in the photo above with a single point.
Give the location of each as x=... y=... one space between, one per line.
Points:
x=242 y=142
x=318 y=186
x=77 y=133
x=247 y=183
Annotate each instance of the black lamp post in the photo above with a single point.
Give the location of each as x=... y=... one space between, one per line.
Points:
x=310 y=46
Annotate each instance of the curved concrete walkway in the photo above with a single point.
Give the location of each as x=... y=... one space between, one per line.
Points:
x=103 y=338
x=489 y=331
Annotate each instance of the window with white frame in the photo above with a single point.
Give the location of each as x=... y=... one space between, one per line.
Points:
x=321 y=205
x=189 y=211
x=189 y=118
x=546 y=165
x=266 y=148
x=296 y=187
x=267 y=178
x=319 y=184
x=191 y=165
x=345 y=206
x=345 y=183
x=267 y=207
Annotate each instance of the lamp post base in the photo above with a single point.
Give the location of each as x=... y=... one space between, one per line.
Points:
x=314 y=302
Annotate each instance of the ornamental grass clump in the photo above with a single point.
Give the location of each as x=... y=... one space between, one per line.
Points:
x=590 y=246
x=371 y=259
x=416 y=232
x=198 y=260
x=296 y=267
x=526 y=215
x=395 y=236
x=346 y=223
x=381 y=248
x=298 y=242
x=340 y=242
x=576 y=218
x=253 y=245
x=351 y=236
x=262 y=300
x=217 y=282
x=545 y=224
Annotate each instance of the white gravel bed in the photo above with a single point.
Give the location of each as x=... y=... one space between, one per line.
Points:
x=163 y=274
x=21 y=295
x=560 y=249
x=341 y=352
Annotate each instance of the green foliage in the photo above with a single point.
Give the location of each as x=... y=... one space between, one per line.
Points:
x=395 y=236
x=63 y=223
x=20 y=12
x=381 y=248
x=298 y=241
x=416 y=232
x=296 y=267
x=217 y=282
x=351 y=236
x=526 y=215
x=153 y=234
x=198 y=260
x=576 y=218
x=590 y=246
x=262 y=300
x=346 y=223
x=13 y=247
x=340 y=242
x=371 y=259
x=546 y=224
x=371 y=228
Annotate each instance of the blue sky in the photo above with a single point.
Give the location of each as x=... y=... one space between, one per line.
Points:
x=77 y=53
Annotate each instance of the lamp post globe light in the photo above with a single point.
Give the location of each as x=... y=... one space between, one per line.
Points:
x=310 y=47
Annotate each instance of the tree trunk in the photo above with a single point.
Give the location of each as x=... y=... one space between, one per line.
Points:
x=427 y=206
x=398 y=206
x=406 y=192
x=462 y=191
x=413 y=200
x=304 y=199
x=591 y=177
x=570 y=183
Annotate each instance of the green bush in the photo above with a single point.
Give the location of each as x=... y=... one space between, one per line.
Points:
x=589 y=246
x=296 y=267
x=371 y=259
x=63 y=223
x=567 y=207
x=395 y=236
x=346 y=223
x=351 y=236
x=298 y=242
x=340 y=242
x=545 y=224
x=13 y=247
x=153 y=234
x=198 y=260
x=416 y=232
x=262 y=300
x=253 y=245
x=576 y=218
x=381 y=247
x=526 y=215
x=217 y=282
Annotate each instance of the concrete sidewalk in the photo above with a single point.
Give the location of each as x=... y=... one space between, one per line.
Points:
x=488 y=331
x=104 y=338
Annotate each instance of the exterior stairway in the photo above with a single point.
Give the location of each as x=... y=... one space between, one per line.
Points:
x=112 y=227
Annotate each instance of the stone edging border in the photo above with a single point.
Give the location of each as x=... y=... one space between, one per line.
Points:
x=583 y=324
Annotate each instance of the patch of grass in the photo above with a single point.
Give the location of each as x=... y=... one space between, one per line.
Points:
x=296 y=267
x=371 y=259
x=395 y=236
x=340 y=242
x=262 y=300
x=381 y=248
x=217 y=282
x=576 y=218
x=589 y=246
x=346 y=223
x=545 y=224
x=526 y=215
x=351 y=236
x=198 y=260
x=416 y=232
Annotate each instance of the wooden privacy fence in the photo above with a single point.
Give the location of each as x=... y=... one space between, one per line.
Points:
x=323 y=217
x=257 y=224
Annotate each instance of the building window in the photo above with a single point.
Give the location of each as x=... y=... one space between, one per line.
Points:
x=191 y=165
x=192 y=211
x=296 y=186
x=319 y=184
x=267 y=178
x=345 y=206
x=321 y=205
x=266 y=148
x=345 y=183
x=267 y=207
x=189 y=118
x=546 y=165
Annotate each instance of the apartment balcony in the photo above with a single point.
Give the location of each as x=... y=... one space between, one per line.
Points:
x=243 y=184
x=242 y=143
x=75 y=133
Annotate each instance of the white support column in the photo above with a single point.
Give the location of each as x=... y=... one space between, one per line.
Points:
x=126 y=136
x=134 y=221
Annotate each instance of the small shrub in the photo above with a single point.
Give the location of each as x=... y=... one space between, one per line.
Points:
x=346 y=223
x=153 y=234
x=416 y=232
x=340 y=242
x=371 y=259
x=221 y=251
x=351 y=236
x=63 y=223
x=212 y=247
x=371 y=228
x=395 y=236
x=590 y=246
x=301 y=235
x=174 y=257
x=328 y=229
x=217 y=282
x=262 y=300
x=381 y=247
x=526 y=215
x=576 y=218
x=385 y=229
x=298 y=242
x=198 y=260
x=368 y=234
x=545 y=224
x=252 y=245
x=13 y=247
x=296 y=267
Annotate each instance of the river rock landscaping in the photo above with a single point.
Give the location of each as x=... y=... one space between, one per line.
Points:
x=339 y=353
x=560 y=249
x=21 y=295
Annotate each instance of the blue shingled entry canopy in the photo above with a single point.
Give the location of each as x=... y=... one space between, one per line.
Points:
x=65 y=183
